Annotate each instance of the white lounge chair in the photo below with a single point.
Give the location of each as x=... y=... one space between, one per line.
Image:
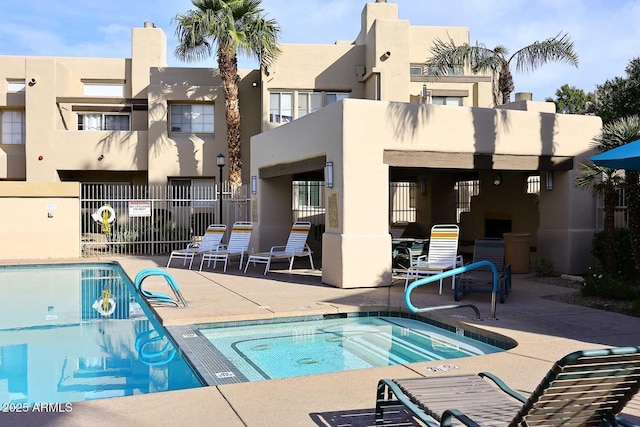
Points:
x=296 y=247
x=238 y=245
x=442 y=256
x=210 y=242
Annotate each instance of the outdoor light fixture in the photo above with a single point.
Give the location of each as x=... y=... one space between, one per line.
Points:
x=101 y=157
x=423 y=186
x=549 y=180
x=254 y=184
x=254 y=84
x=328 y=174
x=497 y=179
x=385 y=56
x=220 y=162
x=32 y=82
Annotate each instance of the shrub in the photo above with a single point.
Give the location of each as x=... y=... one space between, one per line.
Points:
x=599 y=284
x=624 y=267
x=544 y=268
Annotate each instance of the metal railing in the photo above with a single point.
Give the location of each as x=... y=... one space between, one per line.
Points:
x=154 y=219
x=450 y=273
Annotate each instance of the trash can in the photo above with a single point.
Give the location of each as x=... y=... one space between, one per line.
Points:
x=516 y=252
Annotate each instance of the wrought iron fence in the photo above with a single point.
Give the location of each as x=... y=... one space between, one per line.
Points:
x=308 y=205
x=620 y=214
x=140 y=219
x=402 y=202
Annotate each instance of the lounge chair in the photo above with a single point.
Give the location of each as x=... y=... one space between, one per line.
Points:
x=481 y=280
x=442 y=255
x=210 y=242
x=296 y=247
x=238 y=245
x=585 y=388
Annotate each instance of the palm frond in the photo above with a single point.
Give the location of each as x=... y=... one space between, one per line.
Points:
x=445 y=56
x=558 y=48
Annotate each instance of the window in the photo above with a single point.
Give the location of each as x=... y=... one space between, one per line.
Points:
x=101 y=121
x=103 y=89
x=280 y=107
x=196 y=118
x=15 y=86
x=451 y=71
x=447 y=100
x=533 y=184
x=308 y=102
x=196 y=193
x=415 y=70
x=12 y=127
x=308 y=193
x=465 y=190
x=334 y=97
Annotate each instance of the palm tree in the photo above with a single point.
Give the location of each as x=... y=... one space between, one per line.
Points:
x=605 y=181
x=447 y=56
x=231 y=26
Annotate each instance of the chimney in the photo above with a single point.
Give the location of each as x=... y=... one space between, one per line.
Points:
x=149 y=24
x=524 y=96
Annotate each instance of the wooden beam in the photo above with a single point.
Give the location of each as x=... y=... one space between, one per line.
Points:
x=301 y=166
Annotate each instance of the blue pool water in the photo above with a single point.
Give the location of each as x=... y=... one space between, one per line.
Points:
x=282 y=350
x=59 y=343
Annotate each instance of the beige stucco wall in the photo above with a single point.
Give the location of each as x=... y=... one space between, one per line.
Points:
x=354 y=134
x=39 y=220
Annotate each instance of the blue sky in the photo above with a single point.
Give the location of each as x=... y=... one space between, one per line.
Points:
x=605 y=32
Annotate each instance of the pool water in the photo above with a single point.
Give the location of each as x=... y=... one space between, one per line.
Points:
x=282 y=350
x=79 y=332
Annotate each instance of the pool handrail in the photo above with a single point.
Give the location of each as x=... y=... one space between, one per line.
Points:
x=449 y=273
x=159 y=296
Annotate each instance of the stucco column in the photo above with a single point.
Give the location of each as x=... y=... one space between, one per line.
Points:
x=356 y=246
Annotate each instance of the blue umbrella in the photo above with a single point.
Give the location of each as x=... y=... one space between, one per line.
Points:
x=624 y=157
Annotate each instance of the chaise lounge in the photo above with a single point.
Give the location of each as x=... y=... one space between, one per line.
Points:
x=584 y=388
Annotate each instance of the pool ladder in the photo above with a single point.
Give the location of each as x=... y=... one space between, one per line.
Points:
x=449 y=273
x=159 y=297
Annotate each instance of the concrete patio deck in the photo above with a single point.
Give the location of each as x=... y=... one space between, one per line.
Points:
x=545 y=331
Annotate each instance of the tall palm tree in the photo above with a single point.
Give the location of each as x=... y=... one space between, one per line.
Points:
x=446 y=56
x=231 y=26
x=605 y=181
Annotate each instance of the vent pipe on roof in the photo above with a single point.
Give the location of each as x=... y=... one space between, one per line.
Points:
x=381 y=1
x=149 y=24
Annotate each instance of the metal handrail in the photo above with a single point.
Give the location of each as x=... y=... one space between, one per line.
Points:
x=449 y=273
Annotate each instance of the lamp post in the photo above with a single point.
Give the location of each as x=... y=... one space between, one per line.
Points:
x=220 y=162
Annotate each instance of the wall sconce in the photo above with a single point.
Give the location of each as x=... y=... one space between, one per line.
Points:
x=328 y=174
x=101 y=157
x=497 y=179
x=385 y=56
x=254 y=184
x=549 y=180
x=254 y=84
x=32 y=82
x=423 y=186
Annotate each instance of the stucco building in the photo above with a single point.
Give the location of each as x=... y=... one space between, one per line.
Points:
x=364 y=106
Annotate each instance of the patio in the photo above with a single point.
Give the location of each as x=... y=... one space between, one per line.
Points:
x=545 y=331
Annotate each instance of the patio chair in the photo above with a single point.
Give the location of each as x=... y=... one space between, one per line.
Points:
x=397 y=229
x=238 y=245
x=481 y=280
x=159 y=297
x=442 y=255
x=296 y=247
x=210 y=242
x=584 y=388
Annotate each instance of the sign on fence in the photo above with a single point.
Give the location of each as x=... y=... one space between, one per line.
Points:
x=139 y=208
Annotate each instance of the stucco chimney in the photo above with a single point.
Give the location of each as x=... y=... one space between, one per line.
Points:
x=149 y=24
x=524 y=96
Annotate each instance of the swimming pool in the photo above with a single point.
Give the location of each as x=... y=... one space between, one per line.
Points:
x=78 y=332
x=267 y=350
